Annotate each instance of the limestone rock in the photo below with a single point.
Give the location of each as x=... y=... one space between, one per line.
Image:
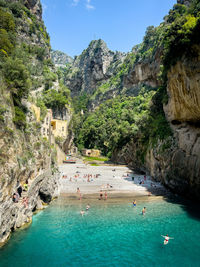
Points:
x=92 y=67
x=183 y=90
x=60 y=59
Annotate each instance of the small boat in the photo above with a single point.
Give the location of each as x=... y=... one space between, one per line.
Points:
x=69 y=160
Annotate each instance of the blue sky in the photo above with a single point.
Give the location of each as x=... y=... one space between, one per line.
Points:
x=72 y=24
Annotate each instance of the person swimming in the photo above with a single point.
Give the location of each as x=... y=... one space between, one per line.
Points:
x=134 y=203
x=144 y=211
x=82 y=212
x=166 y=239
x=87 y=207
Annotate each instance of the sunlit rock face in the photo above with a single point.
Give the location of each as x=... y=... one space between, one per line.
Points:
x=183 y=89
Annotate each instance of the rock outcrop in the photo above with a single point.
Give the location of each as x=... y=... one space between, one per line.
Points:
x=183 y=89
x=35 y=7
x=41 y=191
x=60 y=59
x=93 y=67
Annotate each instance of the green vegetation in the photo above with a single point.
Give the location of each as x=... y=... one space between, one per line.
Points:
x=59 y=141
x=16 y=57
x=182 y=35
x=87 y=158
x=115 y=122
x=57 y=99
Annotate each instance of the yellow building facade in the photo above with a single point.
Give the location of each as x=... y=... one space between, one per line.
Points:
x=59 y=128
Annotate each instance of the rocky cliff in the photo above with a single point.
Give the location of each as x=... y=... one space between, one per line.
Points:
x=60 y=59
x=26 y=71
x=92 y=68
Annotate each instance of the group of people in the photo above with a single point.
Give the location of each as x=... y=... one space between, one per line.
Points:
x=143 y=210
x=166 y=238
x=82 y=212
x=18 y=194
x=76 y=176
x=101 y=195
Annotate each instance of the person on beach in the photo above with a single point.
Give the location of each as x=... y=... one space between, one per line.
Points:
x=134 y=203
x=101 y=195
x=78 y=190
x=106 y=195
x=144 y=211
x=166 y=239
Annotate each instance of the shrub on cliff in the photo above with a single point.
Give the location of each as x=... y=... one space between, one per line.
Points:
x=17 y=77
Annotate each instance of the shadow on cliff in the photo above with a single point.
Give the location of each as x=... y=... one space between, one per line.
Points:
x=191 y=207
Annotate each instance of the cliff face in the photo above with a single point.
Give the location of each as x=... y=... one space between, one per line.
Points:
x=60 y=59
x=92 y=68
x=176 y=161
x=35 y=7
x=144 y=72
x=24 y=154
x=183 y=90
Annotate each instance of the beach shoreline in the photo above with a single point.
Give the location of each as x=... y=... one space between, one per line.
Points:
x=116 y=181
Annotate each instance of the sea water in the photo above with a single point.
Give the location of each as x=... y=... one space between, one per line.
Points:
x=109 y=234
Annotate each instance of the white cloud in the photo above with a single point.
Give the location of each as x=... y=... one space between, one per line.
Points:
x=88 y=5
x=75 y=2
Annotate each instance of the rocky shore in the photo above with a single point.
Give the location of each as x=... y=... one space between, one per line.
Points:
x=42 y=190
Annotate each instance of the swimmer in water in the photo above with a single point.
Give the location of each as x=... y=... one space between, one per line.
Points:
x=144 y=211
x=82 y=212
x=87 y=207
x=166 y=239
x=134 y=203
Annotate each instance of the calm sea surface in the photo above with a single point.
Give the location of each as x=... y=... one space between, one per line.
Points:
x=109 y=234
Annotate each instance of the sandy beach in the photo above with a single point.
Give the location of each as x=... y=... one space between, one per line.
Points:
x=117 y=181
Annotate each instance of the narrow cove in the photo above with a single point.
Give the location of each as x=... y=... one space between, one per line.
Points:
x=111 y=233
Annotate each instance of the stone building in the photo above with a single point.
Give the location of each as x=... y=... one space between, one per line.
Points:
x=46 y=125
x=59 y=128
x=91 y=152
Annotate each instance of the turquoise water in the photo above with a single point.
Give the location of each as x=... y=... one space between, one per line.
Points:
x=108 y=235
